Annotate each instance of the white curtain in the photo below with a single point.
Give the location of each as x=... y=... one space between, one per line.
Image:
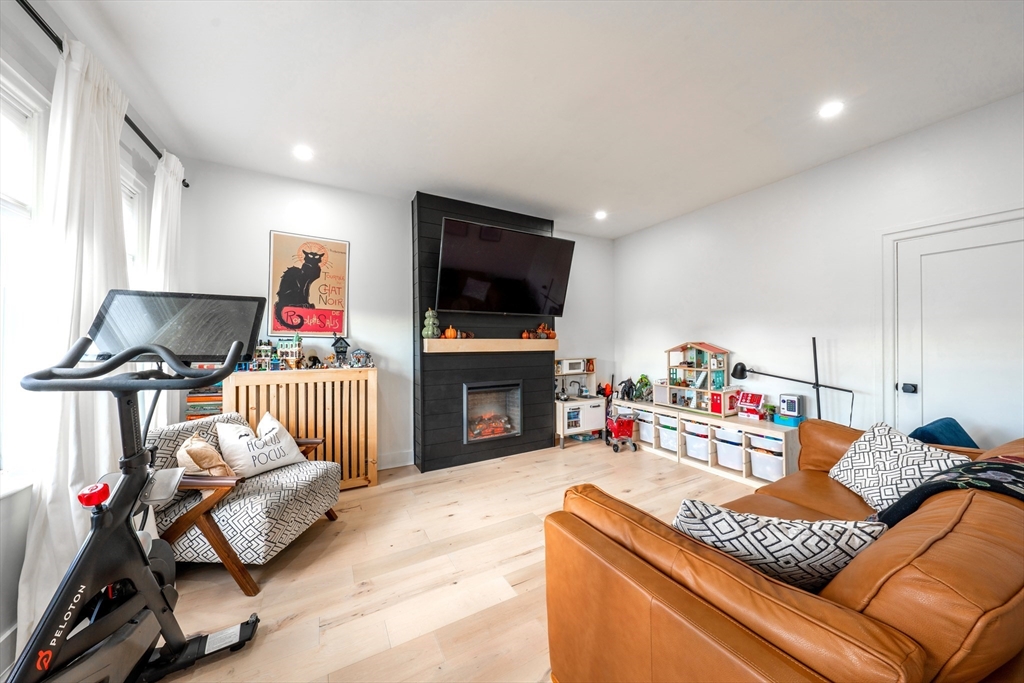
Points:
x=165 y=225
x=82 y=212
x=162 y=263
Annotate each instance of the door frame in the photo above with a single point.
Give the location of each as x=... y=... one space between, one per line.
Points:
x=890 y=245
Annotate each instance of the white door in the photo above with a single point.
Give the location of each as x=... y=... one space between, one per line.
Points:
x=960 y=331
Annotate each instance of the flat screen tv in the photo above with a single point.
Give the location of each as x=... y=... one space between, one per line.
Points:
x=484 y=269
x=196 y=327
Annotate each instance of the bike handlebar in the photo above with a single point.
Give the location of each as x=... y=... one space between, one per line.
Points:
x=64 y=376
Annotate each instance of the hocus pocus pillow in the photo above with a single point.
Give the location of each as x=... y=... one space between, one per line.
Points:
x=249 y=454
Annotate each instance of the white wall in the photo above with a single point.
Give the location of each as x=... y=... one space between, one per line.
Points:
x=227 y=215
x=587 y=330
x=762 y=272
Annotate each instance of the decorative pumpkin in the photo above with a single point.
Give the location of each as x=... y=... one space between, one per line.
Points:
x=526 y=334
x=451 y=333
x=431 y=329
x=551 y=334
x=533 y=335
x=542 y=335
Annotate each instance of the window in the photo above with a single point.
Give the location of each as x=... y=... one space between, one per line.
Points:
x=22 y=127
x=131 y=206
x=17 y=158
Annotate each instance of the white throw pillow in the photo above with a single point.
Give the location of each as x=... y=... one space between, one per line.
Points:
x=250 y=454
x=803 y=554
x=883 y=465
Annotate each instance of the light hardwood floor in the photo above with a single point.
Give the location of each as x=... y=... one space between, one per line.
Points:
x=426 y=577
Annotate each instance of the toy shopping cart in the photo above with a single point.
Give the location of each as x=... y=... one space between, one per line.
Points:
x=619 y=432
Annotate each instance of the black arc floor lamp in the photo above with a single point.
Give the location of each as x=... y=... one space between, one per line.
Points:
x=740 y=371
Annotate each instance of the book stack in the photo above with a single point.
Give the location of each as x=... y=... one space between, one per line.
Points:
x=205 y=401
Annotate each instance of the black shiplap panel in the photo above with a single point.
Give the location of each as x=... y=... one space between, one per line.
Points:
x=456 y=361
x=432 y=205
x=445 y=456
x=483 y=375
x=439 y=377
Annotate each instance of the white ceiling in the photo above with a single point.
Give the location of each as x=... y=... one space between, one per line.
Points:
x=646 y=110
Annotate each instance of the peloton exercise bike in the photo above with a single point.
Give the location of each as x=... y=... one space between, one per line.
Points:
x=117 y=599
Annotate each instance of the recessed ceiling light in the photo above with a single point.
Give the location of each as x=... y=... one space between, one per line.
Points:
x=302 y=152
x=601 y=215
x=830 y=109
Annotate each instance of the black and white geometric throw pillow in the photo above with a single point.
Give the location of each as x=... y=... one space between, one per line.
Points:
x=883 y=465
x=803 y=554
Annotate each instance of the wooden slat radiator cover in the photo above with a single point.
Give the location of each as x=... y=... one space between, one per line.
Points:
x=338 y=406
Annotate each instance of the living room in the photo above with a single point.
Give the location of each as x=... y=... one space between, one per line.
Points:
x=819 y=204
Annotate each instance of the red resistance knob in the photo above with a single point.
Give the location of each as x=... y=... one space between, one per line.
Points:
x=93 y=495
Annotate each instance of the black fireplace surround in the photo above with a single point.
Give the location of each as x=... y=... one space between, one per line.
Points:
x=441 y=429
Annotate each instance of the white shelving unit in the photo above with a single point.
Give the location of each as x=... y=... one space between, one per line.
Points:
x=752 y=434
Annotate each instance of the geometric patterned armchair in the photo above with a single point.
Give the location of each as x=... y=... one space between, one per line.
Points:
x=235 y=520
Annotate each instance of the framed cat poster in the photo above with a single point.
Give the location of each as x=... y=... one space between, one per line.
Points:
x=308 y=286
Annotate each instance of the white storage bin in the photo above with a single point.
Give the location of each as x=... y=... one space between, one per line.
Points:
x=764 y=466
x=766 y=443
x=696 y=428
x=666 y=421
x=697 y=447
x=729 y=455
x=669 y=439
x=731 y=435
x=645 y=416
x=624 y=410
x=646 y=432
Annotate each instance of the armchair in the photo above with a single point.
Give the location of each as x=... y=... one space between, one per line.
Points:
x=237 y=520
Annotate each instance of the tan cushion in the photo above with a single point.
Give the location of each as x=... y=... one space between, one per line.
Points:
x=770 y=506
x=198 y=456
x=951 y=576
x=816 y=490
x=827 y=637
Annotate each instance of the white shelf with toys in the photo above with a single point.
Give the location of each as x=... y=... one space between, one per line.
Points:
x=750 y=451
x=697 y=419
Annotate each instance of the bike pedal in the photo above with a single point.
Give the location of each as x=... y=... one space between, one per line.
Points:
x=232 y=638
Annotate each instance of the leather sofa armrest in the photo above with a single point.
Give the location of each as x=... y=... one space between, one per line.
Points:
x=823 y=443
x=826 y=637
x=612 y=617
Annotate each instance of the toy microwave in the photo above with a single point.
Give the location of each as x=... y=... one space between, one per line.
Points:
x=576 y=365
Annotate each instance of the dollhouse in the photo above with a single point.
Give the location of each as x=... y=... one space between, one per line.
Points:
x=698 y=380
x=290 y=352
x=262 y=356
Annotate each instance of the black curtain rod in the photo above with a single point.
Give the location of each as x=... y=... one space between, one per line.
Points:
x=41 y=23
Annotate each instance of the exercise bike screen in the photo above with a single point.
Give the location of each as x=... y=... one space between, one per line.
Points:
x=196 y=327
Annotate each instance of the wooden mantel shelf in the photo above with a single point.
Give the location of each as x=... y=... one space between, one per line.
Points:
x=488 y=345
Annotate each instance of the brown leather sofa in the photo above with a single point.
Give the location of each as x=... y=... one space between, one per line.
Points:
x=939 y=597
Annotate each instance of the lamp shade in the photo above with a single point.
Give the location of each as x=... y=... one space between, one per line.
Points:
x=739 y=371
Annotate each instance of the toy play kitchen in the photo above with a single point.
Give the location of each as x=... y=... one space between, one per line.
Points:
x=578 y=410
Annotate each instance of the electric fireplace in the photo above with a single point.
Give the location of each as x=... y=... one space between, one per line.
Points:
x=491 y=410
